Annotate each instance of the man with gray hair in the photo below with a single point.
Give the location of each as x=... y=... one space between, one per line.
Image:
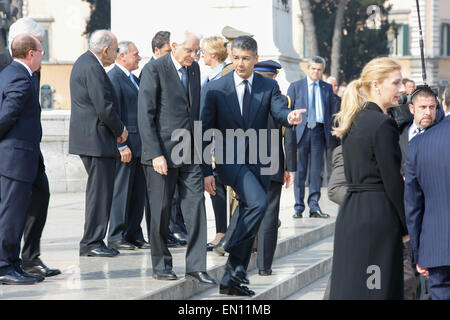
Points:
x=95 y=129
x=169 y=99
x=40 y=193
x=127 y=208
x=313 y=135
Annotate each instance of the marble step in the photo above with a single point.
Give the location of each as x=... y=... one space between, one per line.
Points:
x=305 y=236
x=313 y=291
x=290 y=274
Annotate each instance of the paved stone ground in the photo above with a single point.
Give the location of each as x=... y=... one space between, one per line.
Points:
x=127 y=276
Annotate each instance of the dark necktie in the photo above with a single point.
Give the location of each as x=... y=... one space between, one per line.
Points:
x=312 y=108
x=184 y=78
x=417 y=132
x=246 y=104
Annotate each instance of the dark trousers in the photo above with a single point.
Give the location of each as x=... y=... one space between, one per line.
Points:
x=147 y=212
x=127 y=209
x=15 y=200
x=252 y=206
x=219 y=204
x=439 y=283
x=268 y=231
x=99 y=194
x=36 y=218
x=310 y=153
x=160 y=188
x=176 y=224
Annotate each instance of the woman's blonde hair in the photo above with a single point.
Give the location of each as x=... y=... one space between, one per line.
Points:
x=358 y=90
x=216 y=46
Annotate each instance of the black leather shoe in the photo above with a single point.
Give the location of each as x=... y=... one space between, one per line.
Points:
x=180 y=237
x=140 y=244
x=266 y=272
x=121 y=245
x=210 y=246
x=238 y=274
x=172 y=243
x=279 y=223
x=41 y=269
x=235 y=289
x=202 y=277
x=165 y=275
x=297 y=215
x=99 y=252
x=318 y=214
x=38 y=278
x=14 y=277
x=219 y=248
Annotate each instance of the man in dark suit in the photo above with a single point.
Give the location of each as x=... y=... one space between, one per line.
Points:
x=242 y=100
x=334 y=141
x=161 y=47
x=313 y=135
x=268 y=230
x=95 y=129
x=127 y=207
x=423 y=108
x=427 y=175
x=20 y=136
x=40 y=194
x=169 y=99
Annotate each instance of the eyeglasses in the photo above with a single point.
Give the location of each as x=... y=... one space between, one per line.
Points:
x=192 y=51
x=41 y=51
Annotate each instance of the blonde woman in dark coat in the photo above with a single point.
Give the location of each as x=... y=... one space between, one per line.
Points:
x=367 y=258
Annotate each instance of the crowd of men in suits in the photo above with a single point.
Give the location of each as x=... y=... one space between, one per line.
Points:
x=122 y=126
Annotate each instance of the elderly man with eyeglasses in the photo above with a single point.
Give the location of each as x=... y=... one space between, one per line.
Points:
x=169 y=99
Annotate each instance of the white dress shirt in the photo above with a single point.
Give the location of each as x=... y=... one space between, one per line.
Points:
x=413 y=131
x=178 y=66
x=318 y=98
x=240 y=88
x=125 y=70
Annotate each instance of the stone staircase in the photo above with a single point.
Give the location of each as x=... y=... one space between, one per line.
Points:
x=300 y=259
x=300 y=269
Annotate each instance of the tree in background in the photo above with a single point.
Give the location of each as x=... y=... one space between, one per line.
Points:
x=100 y=16
x=359 y=43
x=309 y=24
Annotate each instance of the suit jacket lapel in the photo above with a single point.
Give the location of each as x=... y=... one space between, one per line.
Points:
x=126 y=79
x=174 y=77
x=191 y=79
x=232 y=99
x=257 y=95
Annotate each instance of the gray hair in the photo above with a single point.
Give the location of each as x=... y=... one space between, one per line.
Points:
x=100 y=39
x=317 y=59
x=331 y=78
x=180 y=37
x=245 y=43
x=124 y=47
x=25 y=25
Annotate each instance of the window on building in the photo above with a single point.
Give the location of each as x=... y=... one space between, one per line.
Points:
x=401 y=41
x=445 y=39
x=46 y=47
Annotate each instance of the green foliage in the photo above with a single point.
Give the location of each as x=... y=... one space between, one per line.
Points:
x=100 y=16
x=359 y=43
